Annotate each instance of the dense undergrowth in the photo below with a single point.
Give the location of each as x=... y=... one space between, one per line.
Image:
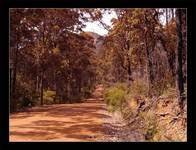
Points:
x=156 y=117
x=30 y=99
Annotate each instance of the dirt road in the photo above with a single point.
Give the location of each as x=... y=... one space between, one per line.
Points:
x=61 y=122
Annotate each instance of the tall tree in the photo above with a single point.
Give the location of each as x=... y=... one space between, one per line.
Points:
x=179 y=72
x=19 y=34
x=167 y=16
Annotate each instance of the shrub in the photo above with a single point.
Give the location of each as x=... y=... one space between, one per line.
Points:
x=49 y=96
x=139 y=87
x=35 y=99
x=24 y=94
x=161 y=85
x=169 y=92
x=121 y=85
x=151 y=126
x=132 y=102
x=114 y=97
x=24 y=101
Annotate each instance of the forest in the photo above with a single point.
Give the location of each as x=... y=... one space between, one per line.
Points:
x=139 y=66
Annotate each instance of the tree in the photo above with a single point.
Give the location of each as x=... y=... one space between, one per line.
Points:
x=179 y=72
x=45 y=44
x=135 y=36
x=18 y=37
x=50 y=52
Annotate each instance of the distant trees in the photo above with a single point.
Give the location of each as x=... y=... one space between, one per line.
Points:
x=142 y=45
x=134 y=36
x=47 y=53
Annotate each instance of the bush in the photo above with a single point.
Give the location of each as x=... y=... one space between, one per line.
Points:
x=35 y=99
x=114 y=97
x=49 y=96
x=122 y=86
x=150 y=122
x=138 y=88
x=25 y=101
x=163 y=84
x=24 y=94
x=169 y=92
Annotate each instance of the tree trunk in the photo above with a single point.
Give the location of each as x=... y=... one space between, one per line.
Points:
x=172 y=13
x=68 y=89
x=166 y=17
x=13 y=89
x=129 y=72
x=37 y=84
x=42 y=73
x=184 y=45
x=179 y=73
x=170 y=57
x=148 y=67
x=42 y=90
x=149 y=72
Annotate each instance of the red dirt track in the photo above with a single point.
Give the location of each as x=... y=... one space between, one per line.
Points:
x=61 y=122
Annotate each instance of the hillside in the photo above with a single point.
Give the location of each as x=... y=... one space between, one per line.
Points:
x=98 y=41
